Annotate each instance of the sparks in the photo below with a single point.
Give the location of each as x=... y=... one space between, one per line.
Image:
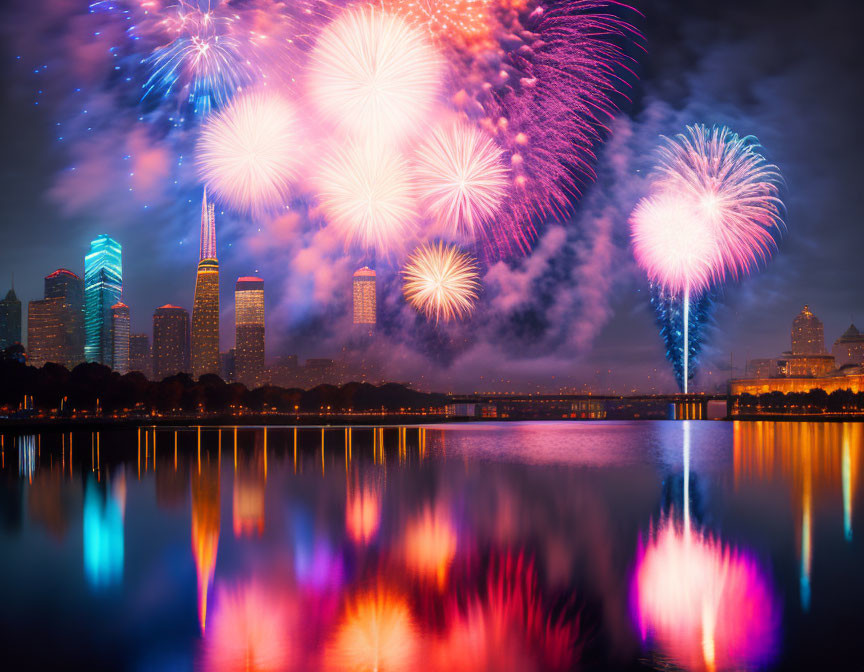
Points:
x=441 y=282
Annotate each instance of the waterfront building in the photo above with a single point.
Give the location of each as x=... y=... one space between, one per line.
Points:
x=68 y=288
x=249 y=331
x=170 y=341
x=120 y=337
x=10 y=320
x=205 y=311
x=808 y=337
x=226 y=366
x=44 y=334
x=849 y=348
x=140 y=357
x=365 y=298
x=103 y=286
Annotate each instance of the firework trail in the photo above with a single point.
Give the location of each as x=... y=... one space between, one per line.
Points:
x=373 y=75
x=669 y=315
x=249 y=154
x=461 y=180
x=441 y=282
x=712 y=212
x=366 y=192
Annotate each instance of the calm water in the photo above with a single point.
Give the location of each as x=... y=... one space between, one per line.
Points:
x=537 y=546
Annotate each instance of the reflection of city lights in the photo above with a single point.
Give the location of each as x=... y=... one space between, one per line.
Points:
x=430 y=544
x=103 y=532
x=363 y=515
x=248 y=498
x=707 y=606
x=205 y=533
x=249 y=631
x=376 y=633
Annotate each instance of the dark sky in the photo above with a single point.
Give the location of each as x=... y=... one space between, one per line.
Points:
x=786 y=72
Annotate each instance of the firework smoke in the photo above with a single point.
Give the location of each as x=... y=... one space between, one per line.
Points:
x=441 y=282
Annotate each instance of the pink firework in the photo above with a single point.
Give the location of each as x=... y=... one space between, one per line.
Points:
x=712 y=212
x=461 y=179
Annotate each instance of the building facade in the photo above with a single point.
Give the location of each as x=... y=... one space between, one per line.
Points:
x=365 y=298
x=808 y=336
x=68 y=288
x=103 y=287
x=140 y=357
x=44 y=332
x=249 y=331
x=170 y=341
x=10 y=320
x=849 y=348
x=205 y=311
x=120 y=337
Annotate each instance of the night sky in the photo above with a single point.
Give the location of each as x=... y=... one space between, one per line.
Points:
x=576 y=310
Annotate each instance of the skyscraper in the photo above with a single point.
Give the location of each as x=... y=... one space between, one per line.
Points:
x=140 y=357
x=68 y=288
x=103 y=285
x=120 y=337
x=44 y=333
x=10 y=320
x=365 y=304
x=170 y=341
x=249 y=331
x=205 y=311
x=808 y=337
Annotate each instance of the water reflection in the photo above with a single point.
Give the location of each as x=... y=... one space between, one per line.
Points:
x=104 y=543
x=205 y=528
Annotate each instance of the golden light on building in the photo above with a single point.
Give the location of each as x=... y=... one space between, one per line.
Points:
x=45 y=337
x=205 y=319
x=249 y=331
x=365 y=297
x=756 y=386
x=808 y=335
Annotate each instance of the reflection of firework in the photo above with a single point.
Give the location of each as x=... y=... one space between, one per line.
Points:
x=373 y=74
x=461 y=179
x=367 y=195
x=362 y=514
x=248 y=154
x=377 y=633
x=430 y=545
x=441 y=282
x=707 y=605
x=712 y=211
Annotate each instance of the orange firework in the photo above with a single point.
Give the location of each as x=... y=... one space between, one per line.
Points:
x=441 y=282
x=464 y=23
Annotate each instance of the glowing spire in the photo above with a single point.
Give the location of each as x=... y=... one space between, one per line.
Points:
x=207 y=249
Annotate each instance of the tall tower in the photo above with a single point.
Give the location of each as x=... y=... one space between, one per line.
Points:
x=170 y=341
x=808 y=337
x=249 y=331
x=10 y=320
x=365 y=303
x=120 y=337
x=205 y=310
x=103 y=286
x=68 y=289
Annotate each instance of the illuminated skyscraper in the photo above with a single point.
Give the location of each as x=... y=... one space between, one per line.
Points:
x=10 y=320
x=170 y=341
x=205 y=311
x=103 y=286
x=68 y=288
x=140 y=357
x=44 y=334
x=120 y=337
x=808 y=337
x=249 y=331
x=849 y=348
x=365 y=304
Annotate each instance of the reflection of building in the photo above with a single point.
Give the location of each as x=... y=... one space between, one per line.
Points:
x=365 y=306
x=103 y=284
x=205 y=530
x=249 y=333
x=205 y=311
x=120 y=337
x=140 y=357
x=103 y=531
x=69 y=289
x=10 y=320
x=849 y=348
x=807 y=334
x=250 y=479
x=170 y=341
x=44 y=335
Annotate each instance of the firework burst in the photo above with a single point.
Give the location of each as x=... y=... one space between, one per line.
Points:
x=441 y=282
x=465 y=23
x=366 y=193
x=248 y=154
x=373 y=75
x=461 y=179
